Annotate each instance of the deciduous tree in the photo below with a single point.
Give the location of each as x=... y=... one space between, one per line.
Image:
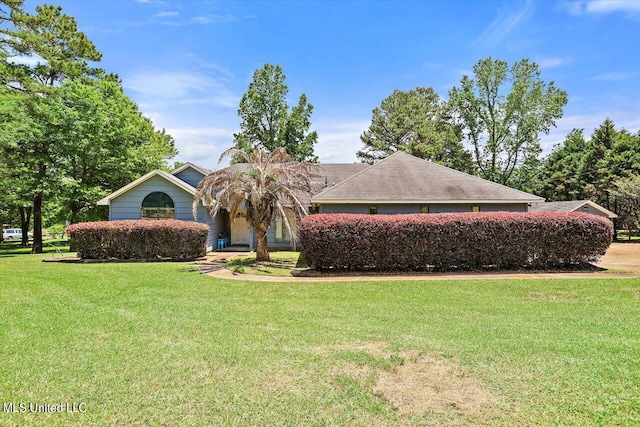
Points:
x=502 y=111
x=105 y=142
x=84 y=137
x=626 y=191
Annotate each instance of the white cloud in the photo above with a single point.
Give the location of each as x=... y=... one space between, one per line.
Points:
x=30 y=61
x=167 y=84
x=198 y=20
x=615 y=76
x=202 y=146
x=601 y=7
x=506 y=21
x=552 y=62
x=165 y=14
x=607 y=6
x=180 y=87
x=338 y=142
x=148 y=111
x=629 y=120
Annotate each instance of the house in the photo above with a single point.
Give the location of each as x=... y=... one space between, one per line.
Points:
x=586 y=206
x=401 y=183
x=159 y=195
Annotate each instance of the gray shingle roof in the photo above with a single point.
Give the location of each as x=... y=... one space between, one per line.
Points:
x=329 y=173
x=402 y=177
x=569 y=206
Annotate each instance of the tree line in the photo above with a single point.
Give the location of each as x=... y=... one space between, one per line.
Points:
x=68 y=133
x=490 y=127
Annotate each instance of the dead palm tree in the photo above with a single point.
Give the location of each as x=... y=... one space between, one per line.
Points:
x=272 y=183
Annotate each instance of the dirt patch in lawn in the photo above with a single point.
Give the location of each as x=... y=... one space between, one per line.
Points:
x=430 y=383
x=419 y=384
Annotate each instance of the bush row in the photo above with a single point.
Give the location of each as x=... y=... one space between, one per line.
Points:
x=466 y=241
x=139 y=239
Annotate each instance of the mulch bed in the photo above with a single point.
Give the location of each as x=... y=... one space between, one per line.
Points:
x=571 y=268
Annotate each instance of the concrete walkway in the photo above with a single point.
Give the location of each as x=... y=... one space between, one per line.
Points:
x=622 y=259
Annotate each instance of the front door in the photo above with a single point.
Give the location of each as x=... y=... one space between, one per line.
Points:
x=240 y=233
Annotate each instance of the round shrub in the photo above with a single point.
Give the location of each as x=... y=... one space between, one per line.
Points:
x=139 y=239
x=460 y=241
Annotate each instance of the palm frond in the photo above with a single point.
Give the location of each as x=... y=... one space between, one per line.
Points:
x=272 y=184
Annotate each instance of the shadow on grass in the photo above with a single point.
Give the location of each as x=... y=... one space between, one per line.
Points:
x=302 y=262
x=13 y=250
x=281 y=264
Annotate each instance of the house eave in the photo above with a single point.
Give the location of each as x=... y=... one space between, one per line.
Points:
x=421 y=201
x=597 y=207
x=187 y=165
x=106 y=201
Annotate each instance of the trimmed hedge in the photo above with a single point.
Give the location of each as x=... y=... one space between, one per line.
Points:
x=139 y=239
x=460 y=241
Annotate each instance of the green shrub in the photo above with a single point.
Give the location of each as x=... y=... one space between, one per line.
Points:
x=139 y=239
x=467 y=241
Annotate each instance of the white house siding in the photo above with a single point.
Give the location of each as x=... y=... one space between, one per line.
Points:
x=190 y=176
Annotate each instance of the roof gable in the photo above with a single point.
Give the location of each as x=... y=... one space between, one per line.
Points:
x=570 y=206
x=403 y=178
x=171 y=178
x=202 y=171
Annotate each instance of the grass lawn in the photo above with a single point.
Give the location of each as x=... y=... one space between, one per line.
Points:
x=161 y=344
x=50 y=246
x=281 y=264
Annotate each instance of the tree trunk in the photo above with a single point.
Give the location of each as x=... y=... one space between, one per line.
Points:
x=74 y=220
x=37 y=225
x=262 y=251
x=25 y=220
x=74 y=212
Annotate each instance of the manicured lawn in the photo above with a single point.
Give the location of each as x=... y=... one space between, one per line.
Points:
x=281 y=264
x=52 y=246
x=161 y=344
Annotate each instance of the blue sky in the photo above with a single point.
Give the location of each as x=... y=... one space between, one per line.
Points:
x=187 y=63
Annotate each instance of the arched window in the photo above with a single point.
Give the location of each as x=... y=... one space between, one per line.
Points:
x=157 y=205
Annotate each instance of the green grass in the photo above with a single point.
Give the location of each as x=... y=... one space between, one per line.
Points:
x=48 y=246
x=623 y=235
x=281 y=264
x=161 y=344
